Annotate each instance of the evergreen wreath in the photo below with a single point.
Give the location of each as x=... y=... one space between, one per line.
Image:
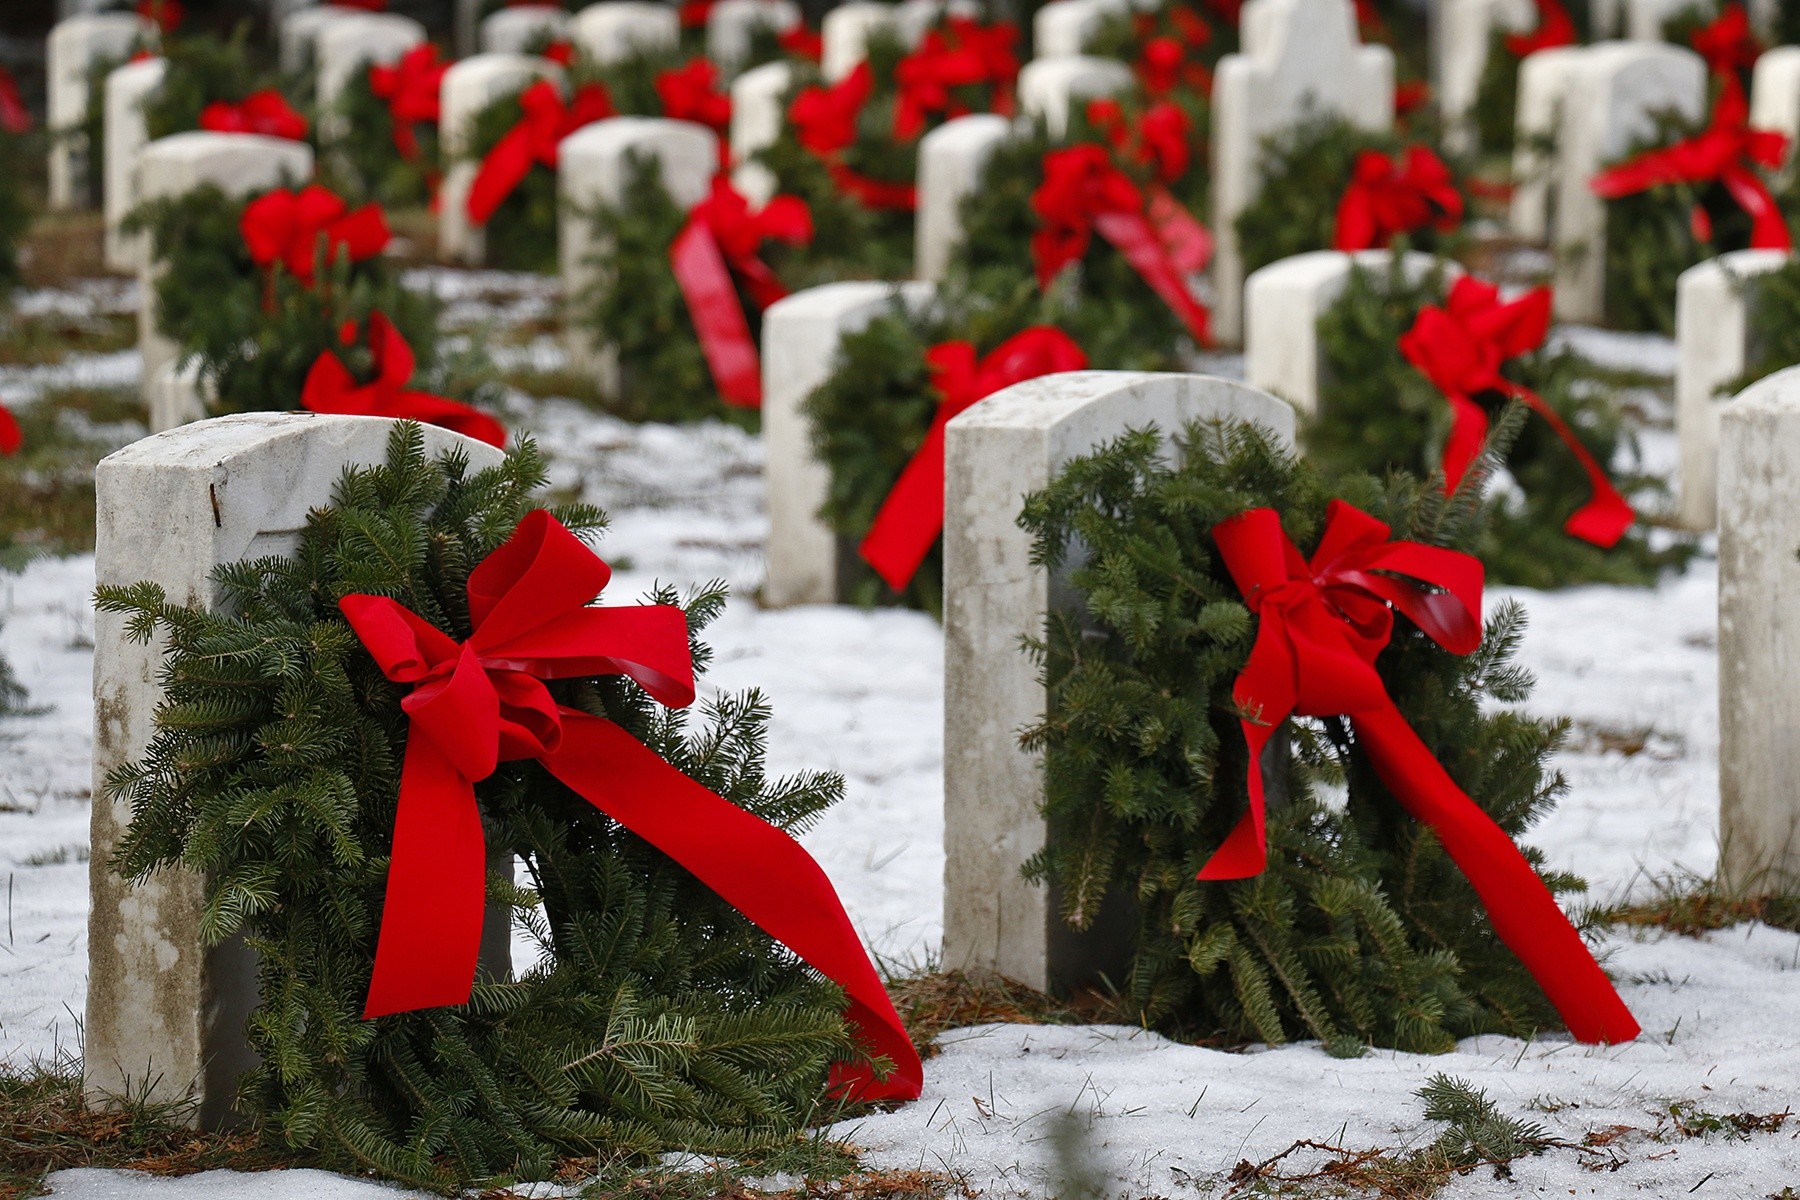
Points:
x=1378 y=414
x=256 y=334
x=1305 y=169
x=201 y=70
x=657 y=1019
x=1361 y=930
x=1772 y=302
x=364 y=161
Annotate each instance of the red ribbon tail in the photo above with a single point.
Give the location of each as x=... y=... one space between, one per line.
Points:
x=504 y=169
x=717 y=314
x=1606 y=516
x=430 y=940
x=1768 y=228
x=912 y=516
x=1131 y=234
x=1468 y=433
x=1188 y=242
x=756 y=868
x=764 y=286
x=1523 y=911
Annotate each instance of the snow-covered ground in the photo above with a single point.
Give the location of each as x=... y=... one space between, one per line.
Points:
x=861 y=692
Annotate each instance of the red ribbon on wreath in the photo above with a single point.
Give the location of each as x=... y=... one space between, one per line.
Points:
x=286 y=227
x=717 y=246
x=1084 y=192
x=11 y=436
x=534 y=141
x=410 y=88
x=1161 y=140
x=1391 y=196
x=1320 y=627
x=691 y=93
x=1461 y=348
x=825 y=120
x=912 y=516
x=1727 y=153
x=965 y=54
x=1727 y=43
x=1555 y=27
x=1166 y=63
x=331 y=388
x=166 y=15
x=476 y=704
x=15 y=117
x=266 y=112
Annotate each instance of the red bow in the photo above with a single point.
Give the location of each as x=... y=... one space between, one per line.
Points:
x=1725 y=153
x=1388 y=197
x=533 y=141
x=1461 y=348
x=825 y=123
x=266 y=112
x=1160 y=138
x=1410 y=96
x=166 y=15
x=1164 y=64
x=1083 y=191
x=1555 y=27
x=11 y=436
x=719 y=242
x=14 y=116
x=802 y=42
x=1727 y=44
x=691 y=93
x=479 y=703
x=1320 y=627
x=912 y=515
x=410 y=87
x=330 y=388
x=965 y=54
x=286 y=227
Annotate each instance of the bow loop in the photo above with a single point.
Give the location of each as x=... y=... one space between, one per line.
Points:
x=331 y=388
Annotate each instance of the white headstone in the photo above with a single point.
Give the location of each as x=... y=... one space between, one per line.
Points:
x=1064 y=27
x=593 y=171
x=1614 y=98
x=468 y=87
x=732 y=26
x=800 y=337
x=1645 y=19
x=1282 y=306
x=176 y=395
x=165 y=1015
x=239 y=163
x=74 y=46
x=126 y=90
x=997 y=452
x=756 y=120
x=1712 y=335
x=1461 y=36
x=344 y=49
x=845 y=34
x=1300 y=57
x=1775 y=95
x=1051 y=87
x=299 y=33
x=1759 y=640
x=465 y=26
x=520 y=30
x=616 y=29
x=1545 y=79
x=952 y=158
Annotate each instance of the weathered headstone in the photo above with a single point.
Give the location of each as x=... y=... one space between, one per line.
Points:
x=800 y=337
x=298 y=33
x=240 y=164
x=1063 y=27
x=468 y=87
x=1461 y=36
x=344 y=49
x=756 y=120
x=125 y=136
x=999 y=451
x=1759 y=640
x=1282 y=306
x=1712 y=335
x=952 y=158
x=74 y=46
x=1775 y=95
x=732 y=27
x=522 y=29
x=593 y=171
x=1299 y=58
x=1050 y=88
x=165 y=1014
x=616 y=29
x=1545 y=79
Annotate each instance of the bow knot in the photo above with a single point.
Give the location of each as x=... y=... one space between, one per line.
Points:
x=691 y=93
x=1727 y=43
x=410 y=88
x=1391 y=196
x=545 y=121
x=286 y=226
x=965 y=54
x=266 y=112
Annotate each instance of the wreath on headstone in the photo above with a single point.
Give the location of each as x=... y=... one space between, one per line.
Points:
x=214 y=84
x=1772 y=304
x=1494 y=114
x=1384 y=406
x=342 y=835
x=386 y=144
x=1183 y=798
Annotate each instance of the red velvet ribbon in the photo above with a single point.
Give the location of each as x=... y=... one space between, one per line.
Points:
x=266 y=112
x=1388 y=197
x=719 y=242
x=1727 y=43
x=912 y=516
x=1555 y=27
x=15 y=118
x=1320 y=627
x=410 y=88
x=964 y=54
x=1726 y=152
x=691 y=93
x=547 y=120
x=286 y=227
x=1461 y=348
x=825 y=121
x=11 y=436
x=330 y=388
x=1084 y=192
x=479 y=703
